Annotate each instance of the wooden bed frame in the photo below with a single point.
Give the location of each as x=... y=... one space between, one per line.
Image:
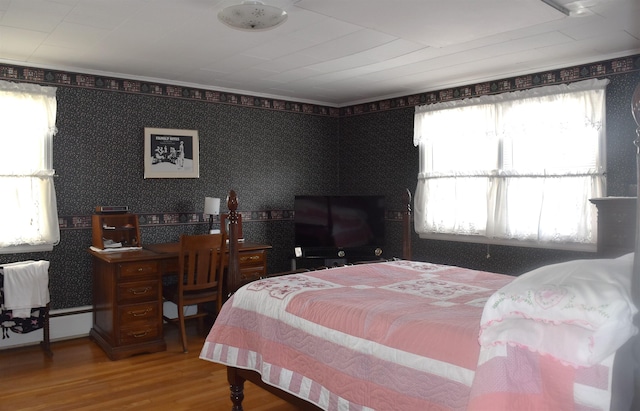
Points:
x=237 y=376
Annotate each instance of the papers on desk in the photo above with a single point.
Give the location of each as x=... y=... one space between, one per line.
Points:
x=111 y=244
x=114 y=250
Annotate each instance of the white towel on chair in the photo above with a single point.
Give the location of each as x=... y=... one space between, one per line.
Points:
x=26 y=286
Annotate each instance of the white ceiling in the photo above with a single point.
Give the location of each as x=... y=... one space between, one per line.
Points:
x=330 y=52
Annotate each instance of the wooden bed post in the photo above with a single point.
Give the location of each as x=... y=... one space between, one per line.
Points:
x=236 y=385
x=406 y=227
x=233 y=268
x=236 y=382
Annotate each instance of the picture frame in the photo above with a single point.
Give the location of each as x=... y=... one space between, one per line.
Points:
x=171 y=153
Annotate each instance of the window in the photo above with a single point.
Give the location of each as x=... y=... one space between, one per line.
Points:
x=28 y=212
x=515 y=168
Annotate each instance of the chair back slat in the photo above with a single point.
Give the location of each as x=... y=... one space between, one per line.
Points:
x=199 y=263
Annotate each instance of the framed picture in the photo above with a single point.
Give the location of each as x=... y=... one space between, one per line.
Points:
x=171 y=153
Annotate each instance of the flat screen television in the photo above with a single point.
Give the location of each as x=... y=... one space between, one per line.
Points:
x=326 y=223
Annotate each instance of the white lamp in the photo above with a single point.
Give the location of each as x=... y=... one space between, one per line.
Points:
x=211 y=207
x=252 y=16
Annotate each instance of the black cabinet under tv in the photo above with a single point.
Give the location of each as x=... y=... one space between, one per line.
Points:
x=336 y=259
x=315 y=262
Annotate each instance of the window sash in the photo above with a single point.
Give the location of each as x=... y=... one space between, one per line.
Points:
x=28 y=211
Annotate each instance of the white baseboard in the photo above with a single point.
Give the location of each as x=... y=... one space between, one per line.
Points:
x=70 y=326
x=60 y=328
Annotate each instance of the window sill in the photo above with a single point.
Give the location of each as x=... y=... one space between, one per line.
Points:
x=20 y=249
x=511 y=243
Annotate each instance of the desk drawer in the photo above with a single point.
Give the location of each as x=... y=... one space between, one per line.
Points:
x=251 y=274
x=140 y=333
x=137 y=269
x=251 y=258
x=139 y=291
x=253 y=265
x=138 y=313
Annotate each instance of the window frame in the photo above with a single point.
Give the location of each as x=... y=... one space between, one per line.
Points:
x=599 y=176
x=40 y=100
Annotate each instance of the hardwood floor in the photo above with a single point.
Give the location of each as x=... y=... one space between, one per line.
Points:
x=81 y=377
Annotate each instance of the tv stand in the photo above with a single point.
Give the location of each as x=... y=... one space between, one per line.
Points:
x=335 y=258
x=315 y=262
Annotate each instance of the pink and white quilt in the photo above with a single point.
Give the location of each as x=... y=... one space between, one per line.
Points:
x=398 y=335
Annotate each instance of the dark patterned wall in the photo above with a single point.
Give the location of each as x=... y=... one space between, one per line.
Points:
x=377 y=156
x=621 y=160
x=268 y=151
x=263 y=155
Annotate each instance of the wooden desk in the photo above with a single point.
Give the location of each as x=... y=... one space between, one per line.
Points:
x=253 y=258
x=127 y=294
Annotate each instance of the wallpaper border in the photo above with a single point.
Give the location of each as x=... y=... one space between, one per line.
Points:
x=163 y=219
x=45 y=76
x=89 y=81
x=569 y=74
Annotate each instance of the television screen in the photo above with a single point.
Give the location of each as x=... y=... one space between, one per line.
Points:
x=339 y=221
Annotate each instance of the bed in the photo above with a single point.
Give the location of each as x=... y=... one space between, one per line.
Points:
x=411 y=335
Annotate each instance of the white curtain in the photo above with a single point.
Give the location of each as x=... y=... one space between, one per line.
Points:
x=28 y=211
x=515 y=166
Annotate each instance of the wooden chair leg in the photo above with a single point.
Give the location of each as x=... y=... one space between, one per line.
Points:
x=46 y=342
x=200 y=309
x=183 y=330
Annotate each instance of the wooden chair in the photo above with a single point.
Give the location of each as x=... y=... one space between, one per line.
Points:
x=199 y=279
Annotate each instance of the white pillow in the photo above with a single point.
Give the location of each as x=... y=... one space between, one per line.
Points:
x=579 y=311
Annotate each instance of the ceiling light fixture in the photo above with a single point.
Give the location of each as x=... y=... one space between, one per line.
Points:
x=252 y=16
